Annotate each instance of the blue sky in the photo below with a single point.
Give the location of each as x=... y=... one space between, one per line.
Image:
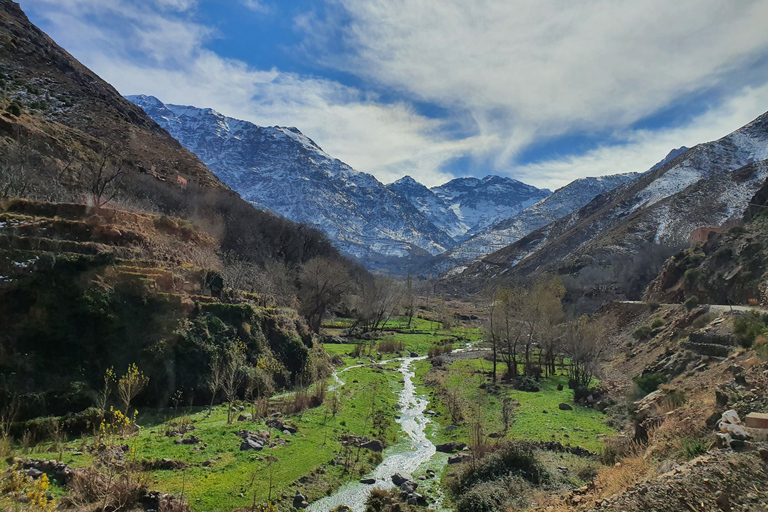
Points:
x=543 y=91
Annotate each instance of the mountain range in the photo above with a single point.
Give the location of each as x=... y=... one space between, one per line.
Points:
x=623 y=230
x=284 y=171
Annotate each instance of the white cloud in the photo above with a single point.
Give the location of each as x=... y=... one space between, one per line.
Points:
x=387 y=140
x=508 y=74
x=532 y=69
x=639 y=150
x=256 y=6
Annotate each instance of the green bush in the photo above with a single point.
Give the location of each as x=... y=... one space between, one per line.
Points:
x=486 y=497
x=14 y=109
x=748 y=327
x=643 y=333
x=653 y=306
x=510 y=459
x=692 y=303
x=692 y=447
x=527 y=383
x=650 y=381
x=657 y=323
x=691 y=276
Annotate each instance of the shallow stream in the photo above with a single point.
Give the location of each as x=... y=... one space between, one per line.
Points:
x=404 y=458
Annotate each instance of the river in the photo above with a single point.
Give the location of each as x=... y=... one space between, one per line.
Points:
x=404 y=457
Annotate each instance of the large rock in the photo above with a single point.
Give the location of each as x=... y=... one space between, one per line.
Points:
x=398 y=479
x=448 y=447
x=757 y=420
x=565 y=407
x=459 y=458
x=375 y=445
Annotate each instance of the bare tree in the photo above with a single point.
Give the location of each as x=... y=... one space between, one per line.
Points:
x=377 y=300
x=323 y=282
x=215 y=380
x=232 y=377
x=409 y=300
x=102 y=177
x=585 y=342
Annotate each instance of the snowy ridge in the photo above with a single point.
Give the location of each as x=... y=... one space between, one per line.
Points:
x=288 y=173
x=481 y=203
x=710 y=184
x=562 y=202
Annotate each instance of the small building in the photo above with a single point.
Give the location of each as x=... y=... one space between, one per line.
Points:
x=701 y=234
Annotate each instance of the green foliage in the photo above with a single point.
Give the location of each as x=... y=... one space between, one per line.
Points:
x=691 y=276
x=748 y=327
x=512 y=458
x=693 y=447
x=15 y=109
x=642 y=333
x=657 y=323
x=486 y=497
x=691 y=303
x=653 y=305
x=650 y=381
x=528 y=384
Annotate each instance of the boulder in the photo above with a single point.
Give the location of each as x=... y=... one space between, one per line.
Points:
x=299 y=500
x=244 y=417
x=251 y=444
x=398 y=479
x=368 y=480
x=374 y=446
x=446 y=447
x=757 y=420
x=459 y=458
x=565 y=407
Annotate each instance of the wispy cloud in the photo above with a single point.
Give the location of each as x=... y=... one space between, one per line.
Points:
x=639 y=150
x=256 y=6
x=508 y=74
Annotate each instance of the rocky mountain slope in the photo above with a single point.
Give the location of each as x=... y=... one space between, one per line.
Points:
x=563 y=201
x=430 y=205
x=288 y=173
x=68 y=107
x=709 y=184
x=63 y=130
x=728 y=267
x=481 y=203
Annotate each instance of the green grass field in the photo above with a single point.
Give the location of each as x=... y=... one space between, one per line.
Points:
x=579 y=427
x=220 y=477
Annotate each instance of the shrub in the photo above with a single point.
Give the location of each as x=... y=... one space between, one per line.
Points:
x=653 y=306
x=486 y=497
x=703 y=320
x=691 y=276
x=692 y=303
x=747 y=328
x=643 y=333
x=509 y=459
x=657 y=323
x=650 y=381
x=692 y=447
x=527 y=383
x=14 y=109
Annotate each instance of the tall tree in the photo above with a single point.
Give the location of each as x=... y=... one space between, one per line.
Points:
x=322 y=282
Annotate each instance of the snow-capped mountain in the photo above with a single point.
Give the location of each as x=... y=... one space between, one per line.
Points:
x=481 y=203
x=288 y=173
x=563 y=201
x=429 y=204
x=709 y=184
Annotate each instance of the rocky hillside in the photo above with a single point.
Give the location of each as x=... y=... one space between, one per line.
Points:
x=562 y=202
x=709 y=184
x=285 y=171
x=83 y=290
x=481 y=203
x=73 y=111
x=66 y=135
x=728 y=267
